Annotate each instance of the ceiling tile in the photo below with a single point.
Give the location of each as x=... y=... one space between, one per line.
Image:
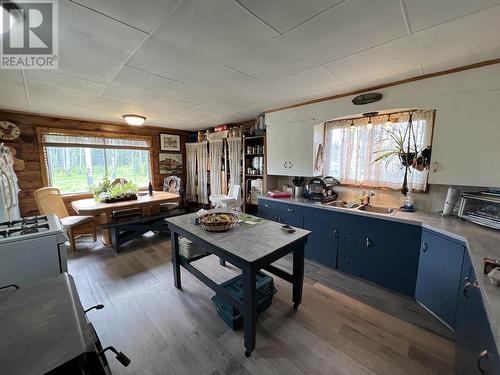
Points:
x=342 y=30
x=46 y=85
x=168 y=107
x=144 y=16
x=283 y=15
x=217 y=29
x=423 y=47
x=11 y=75
x=91 y=45
x=113 y=109
x=426 y=13
x=52 y=107
x=13 y=96
x=457 y=61
x=134 y=86
x=227 y=105
x=199 y=94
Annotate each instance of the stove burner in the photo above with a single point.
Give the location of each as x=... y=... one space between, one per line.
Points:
x=27 y=229
x=25 y=222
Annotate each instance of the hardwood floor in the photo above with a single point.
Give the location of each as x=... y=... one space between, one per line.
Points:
x=343 y=326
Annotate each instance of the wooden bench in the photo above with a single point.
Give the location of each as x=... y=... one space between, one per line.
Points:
x=124 y=231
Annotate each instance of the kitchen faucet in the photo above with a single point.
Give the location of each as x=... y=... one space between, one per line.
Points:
x=368 y=195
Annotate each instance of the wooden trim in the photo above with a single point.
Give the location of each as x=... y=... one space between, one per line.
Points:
x=43 y=159
x=394 y=83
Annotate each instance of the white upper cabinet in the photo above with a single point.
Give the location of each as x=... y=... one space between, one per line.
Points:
x=292 y=148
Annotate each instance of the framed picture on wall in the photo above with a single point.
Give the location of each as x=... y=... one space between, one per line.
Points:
x=170 y=142
x=170 y=163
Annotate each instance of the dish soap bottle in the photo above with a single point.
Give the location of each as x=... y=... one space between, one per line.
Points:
x=408 y=202
x=150 y=189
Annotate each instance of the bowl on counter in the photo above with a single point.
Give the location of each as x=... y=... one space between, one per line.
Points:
x=218 y=221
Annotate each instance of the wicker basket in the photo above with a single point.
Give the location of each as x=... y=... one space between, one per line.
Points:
x=218 y=227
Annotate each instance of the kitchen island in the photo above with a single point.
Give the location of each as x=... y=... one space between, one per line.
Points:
x=249 y=248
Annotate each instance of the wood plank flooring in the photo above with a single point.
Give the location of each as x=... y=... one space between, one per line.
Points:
x=343 y=326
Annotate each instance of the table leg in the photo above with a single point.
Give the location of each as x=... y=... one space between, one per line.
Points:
x=298 y=275
x=249 y=309
x=106 y=233
x=176 y=263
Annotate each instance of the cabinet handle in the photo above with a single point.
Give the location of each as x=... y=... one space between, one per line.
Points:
x=267 y=205
x=285 y=164
x=435 y=167
x=290 y=210
x=424 y=247
x=469 y=284
x=482 y=355
x=369 y=243
x=336 y=234
x=291 y=164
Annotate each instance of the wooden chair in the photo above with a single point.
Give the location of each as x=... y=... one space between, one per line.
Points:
x=49 y=201
x=173 y=184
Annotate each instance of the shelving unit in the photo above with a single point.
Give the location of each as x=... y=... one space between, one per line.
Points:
x=254 y=161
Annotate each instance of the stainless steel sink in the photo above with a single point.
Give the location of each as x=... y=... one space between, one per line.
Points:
x=341 y=204
x=378 y=209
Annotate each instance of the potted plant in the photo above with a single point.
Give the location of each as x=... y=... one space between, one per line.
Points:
x=106 y=192
x=399 y=149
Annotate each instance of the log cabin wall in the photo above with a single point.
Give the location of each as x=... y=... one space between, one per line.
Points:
x=27 y=148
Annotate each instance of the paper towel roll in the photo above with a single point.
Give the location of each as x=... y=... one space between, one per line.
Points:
x=451 y=200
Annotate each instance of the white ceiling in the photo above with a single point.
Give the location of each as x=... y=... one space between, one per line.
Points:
x=192 y=64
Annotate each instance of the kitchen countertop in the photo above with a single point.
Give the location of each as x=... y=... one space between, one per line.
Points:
x=481 y=242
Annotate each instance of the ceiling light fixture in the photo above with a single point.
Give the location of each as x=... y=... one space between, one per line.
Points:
x=370 y=123
x=134 y=119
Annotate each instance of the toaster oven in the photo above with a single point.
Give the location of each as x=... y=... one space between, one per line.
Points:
x=481 y=208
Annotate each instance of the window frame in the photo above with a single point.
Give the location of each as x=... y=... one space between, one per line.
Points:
x=383 y=188
x=41 y=132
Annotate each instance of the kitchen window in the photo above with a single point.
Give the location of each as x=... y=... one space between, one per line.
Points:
x=76 y=161
x=352 y=145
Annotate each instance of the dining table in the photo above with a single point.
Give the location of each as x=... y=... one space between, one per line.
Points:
x=150 y=205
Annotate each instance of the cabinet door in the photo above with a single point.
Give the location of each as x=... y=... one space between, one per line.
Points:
x=439 y=271
x=300 y=146
x=322 y=243
x=267 y=210
x=292 y=214
x=277 y=150
x=475 y=346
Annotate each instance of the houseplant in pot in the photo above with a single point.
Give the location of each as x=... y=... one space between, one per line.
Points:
x=106 y=192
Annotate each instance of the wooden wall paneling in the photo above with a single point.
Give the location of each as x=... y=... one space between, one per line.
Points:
x=27 y=147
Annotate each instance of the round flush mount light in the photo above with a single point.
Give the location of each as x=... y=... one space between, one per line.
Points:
x=134 y=119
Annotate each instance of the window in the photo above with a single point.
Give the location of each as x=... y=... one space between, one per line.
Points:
x=76 y=161
x=352 y=147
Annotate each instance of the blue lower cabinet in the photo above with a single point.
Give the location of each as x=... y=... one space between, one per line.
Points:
x=439 y=272
x=476 y=352
x=323 y=241
x=268 y=210
x=291 y=214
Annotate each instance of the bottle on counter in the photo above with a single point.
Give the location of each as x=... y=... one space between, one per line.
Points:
x=150 y=189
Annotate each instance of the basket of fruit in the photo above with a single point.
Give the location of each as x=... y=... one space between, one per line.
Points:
x=218 y=221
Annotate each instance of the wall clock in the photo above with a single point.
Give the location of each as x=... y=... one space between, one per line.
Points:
x=9 y=130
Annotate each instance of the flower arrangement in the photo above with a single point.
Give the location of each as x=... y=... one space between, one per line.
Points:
x=108 y=192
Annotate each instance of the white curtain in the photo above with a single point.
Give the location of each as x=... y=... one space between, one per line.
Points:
x=202 y=163
x=191 y=171
x=216 y=152
x=351 y=148
x=234 y=145
x=9 y=189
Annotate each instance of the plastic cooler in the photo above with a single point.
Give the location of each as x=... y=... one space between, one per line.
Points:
x=265 y=291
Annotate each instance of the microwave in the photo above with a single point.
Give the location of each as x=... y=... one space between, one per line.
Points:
x=481 y=208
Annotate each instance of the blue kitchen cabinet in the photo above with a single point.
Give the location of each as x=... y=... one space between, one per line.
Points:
x=439 y=271
x=282 y=212
x=381 y=251
x=476 y=352
x=322 y=243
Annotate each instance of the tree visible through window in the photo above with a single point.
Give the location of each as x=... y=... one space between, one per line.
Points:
x=76 y=163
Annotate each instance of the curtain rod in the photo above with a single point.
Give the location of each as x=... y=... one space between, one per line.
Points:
x=377 y=115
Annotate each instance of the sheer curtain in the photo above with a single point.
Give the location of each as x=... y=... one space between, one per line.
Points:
x=191 y=171
x=234 y=145
x=352 y=147
x=202 y=162
x=216 y=152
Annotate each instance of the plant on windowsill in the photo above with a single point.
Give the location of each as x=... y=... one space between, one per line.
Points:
x=105 y=192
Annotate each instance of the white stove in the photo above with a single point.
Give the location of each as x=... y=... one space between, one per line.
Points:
x=31 y=248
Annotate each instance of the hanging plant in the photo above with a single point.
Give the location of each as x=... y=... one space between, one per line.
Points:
x=397 y=138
